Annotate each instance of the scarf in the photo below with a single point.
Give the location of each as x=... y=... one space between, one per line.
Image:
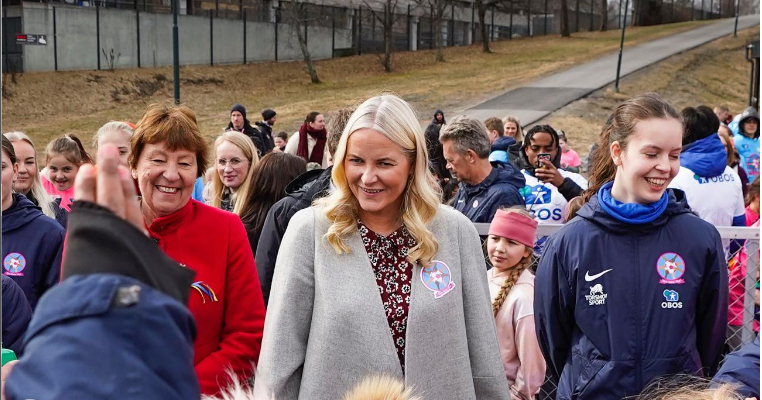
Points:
x=631 y=213
x=317 y=151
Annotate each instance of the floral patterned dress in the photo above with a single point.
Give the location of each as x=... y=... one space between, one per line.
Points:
x=394 y=276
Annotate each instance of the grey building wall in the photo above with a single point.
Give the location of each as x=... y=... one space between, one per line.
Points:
x=77 y=36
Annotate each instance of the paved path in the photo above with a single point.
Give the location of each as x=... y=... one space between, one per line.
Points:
x=535 y=100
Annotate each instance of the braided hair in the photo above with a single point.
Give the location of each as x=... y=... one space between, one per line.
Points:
x=511 y=280
x=516 y=271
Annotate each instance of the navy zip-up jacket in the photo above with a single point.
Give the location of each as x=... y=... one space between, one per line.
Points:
x=32 y=247
x=16 y=315
x=499 y=189
x=617 y=305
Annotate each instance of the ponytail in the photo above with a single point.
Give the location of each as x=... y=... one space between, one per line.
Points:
x=618 y=129
x=70 y=147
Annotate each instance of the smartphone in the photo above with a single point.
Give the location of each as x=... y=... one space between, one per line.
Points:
x=540 y=157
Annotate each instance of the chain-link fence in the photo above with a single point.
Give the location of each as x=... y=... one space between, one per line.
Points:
x=108 y=34
x=742 y=246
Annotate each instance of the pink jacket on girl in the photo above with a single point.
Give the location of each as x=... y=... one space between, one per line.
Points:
x=519 y=350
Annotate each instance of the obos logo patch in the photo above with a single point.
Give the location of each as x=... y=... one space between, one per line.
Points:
x=536 y=194
x=14 y=264
x=672 y=299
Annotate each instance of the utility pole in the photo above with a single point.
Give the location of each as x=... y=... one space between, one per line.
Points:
x=176 y=51
x=621 y=46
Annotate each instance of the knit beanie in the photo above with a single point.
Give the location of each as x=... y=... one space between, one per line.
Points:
x=241 y=109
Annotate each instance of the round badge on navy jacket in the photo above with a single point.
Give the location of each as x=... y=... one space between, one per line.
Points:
x=671 y=268
x=14 y=264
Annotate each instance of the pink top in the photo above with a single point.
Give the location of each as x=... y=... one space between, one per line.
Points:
x=570 y=158
x=66 y=196
x=737 y=281
x=519 y=350
x=751 y=216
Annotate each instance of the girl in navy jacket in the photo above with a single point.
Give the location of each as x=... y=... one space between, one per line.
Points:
x=32 y=242
x=634 y=287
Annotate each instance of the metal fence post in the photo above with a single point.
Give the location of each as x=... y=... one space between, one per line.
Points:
x=333 y=31
x=409 y=45
x=545 y=20
x=359 y=32
x=137 y=25
x=452 y=24
x=211 y=38
x=473 y=25
x=492 y=25
x=592 y=14
x=431 y=28
x=98 y=33
x=277 y=15
x=510 y=22
x=529 y=19
x=244 y=35
x=702 y=10
x=577 y=12
x=750 y=283
x=55 y=40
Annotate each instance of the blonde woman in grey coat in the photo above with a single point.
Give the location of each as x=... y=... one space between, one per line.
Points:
x=380 y=279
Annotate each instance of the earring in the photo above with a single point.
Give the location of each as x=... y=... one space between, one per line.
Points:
x=134 y=174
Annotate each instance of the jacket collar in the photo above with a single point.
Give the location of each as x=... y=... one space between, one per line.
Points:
x=170 y=223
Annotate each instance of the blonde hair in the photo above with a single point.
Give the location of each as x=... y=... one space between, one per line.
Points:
x=380 y=388
x=395 y=119
x=685 y=387
x=44 y=201
x=118 y=126
x=519 y=131
x=516 y=271
x=217 y=188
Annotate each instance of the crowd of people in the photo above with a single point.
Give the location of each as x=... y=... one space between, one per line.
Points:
x=274 y=266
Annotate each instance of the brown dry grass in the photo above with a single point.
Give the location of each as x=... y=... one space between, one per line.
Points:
x=713 y=74
x=46 y=105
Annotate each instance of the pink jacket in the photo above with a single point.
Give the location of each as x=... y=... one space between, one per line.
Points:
x=737 y=281
x=519 y=350
x=570 y=159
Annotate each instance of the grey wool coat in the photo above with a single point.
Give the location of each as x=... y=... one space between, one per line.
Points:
x=326 y=328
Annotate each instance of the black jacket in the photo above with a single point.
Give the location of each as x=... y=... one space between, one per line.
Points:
x=254 y=134
x=266 y=134
x=301 y=192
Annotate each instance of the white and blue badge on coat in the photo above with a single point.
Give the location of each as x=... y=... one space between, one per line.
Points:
x=437 y=278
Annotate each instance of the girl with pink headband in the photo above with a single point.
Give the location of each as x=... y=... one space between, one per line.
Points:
x=511 y=286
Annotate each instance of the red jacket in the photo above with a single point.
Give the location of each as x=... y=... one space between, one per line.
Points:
x=226 y=298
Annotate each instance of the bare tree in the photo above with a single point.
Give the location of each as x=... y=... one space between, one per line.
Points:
x=481 y=10
x=387 y=19
x=565 y=19
x=300 y=21
x=604 y=15
x=437 y=9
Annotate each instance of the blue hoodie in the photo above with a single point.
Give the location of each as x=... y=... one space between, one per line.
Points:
x=505 y=149
x=32 y=247
x=741 y=368
x=618 y=304
x=85 y=343
x=499 y=189
x=16 y=315
x=706 y=157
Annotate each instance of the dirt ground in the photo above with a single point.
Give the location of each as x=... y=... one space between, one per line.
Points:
x=713 y=74
x=46 y=105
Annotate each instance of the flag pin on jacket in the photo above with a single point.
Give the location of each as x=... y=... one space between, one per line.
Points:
x=437 y=278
